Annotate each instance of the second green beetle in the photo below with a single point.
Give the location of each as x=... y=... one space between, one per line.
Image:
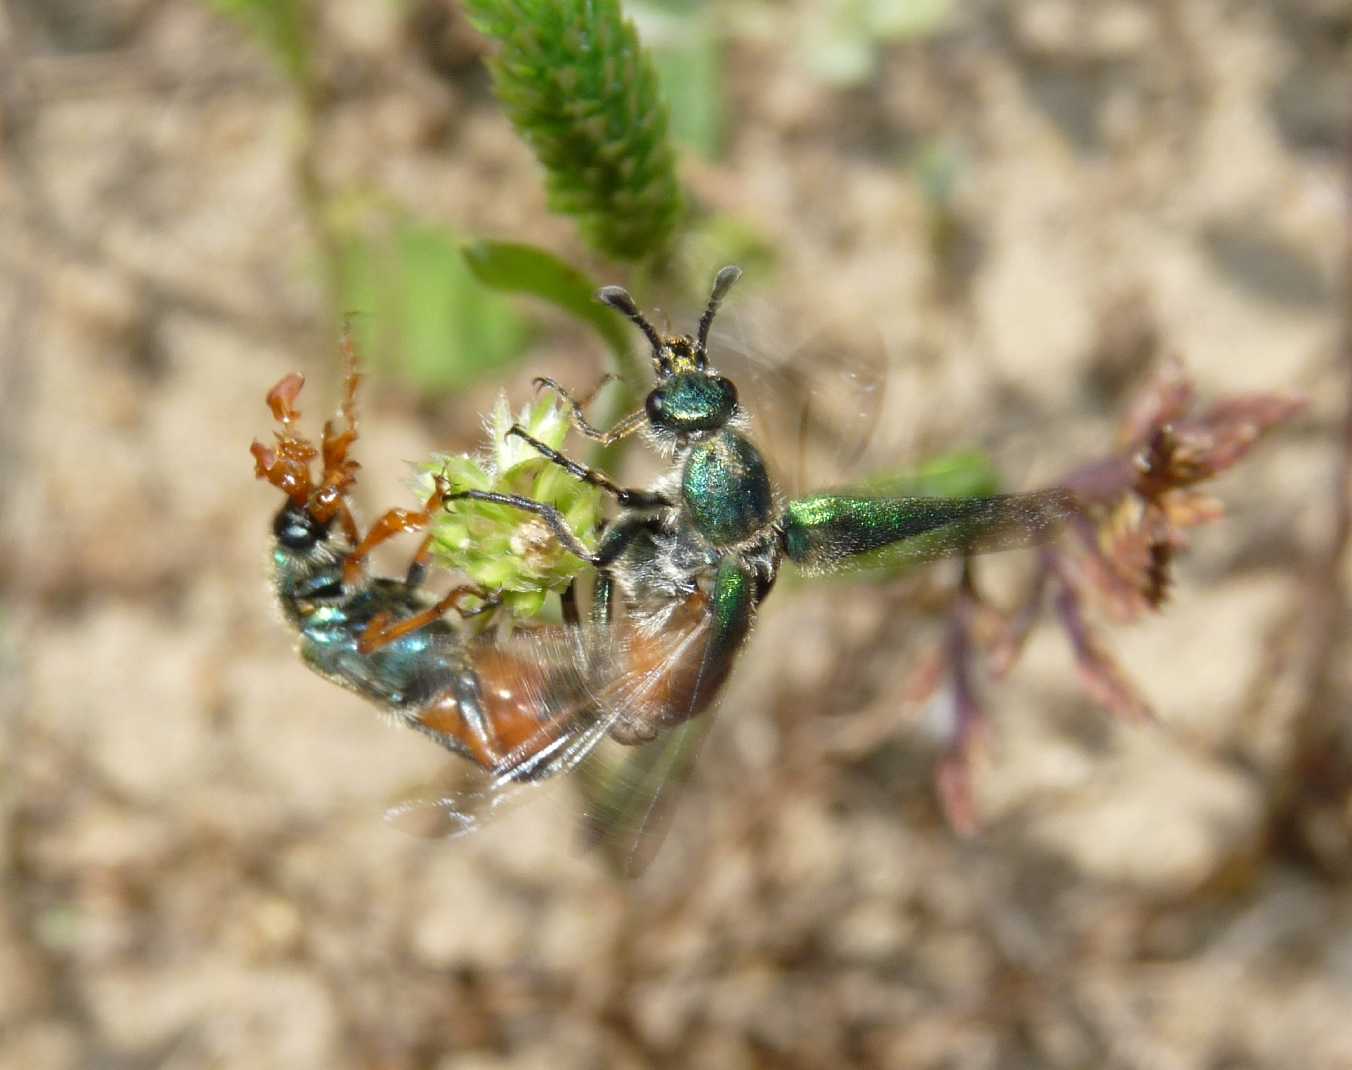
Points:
x=684 y=565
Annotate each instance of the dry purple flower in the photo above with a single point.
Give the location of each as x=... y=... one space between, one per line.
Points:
x=1137 y=505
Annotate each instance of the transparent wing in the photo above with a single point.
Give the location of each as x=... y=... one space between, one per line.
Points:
x=631 y=791
x=845 y=532
x=538 y=697
x=814 y=401
x=818 y=407
x=561 y=693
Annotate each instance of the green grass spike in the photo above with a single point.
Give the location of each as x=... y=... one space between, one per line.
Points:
x=582 y=92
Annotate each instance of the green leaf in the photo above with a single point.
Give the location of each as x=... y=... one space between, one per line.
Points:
x=425 y=316
x=511 y=267
x=688 y=54
x=282 y=25
x=524 y=269
x=843 y=38
x=901 y=20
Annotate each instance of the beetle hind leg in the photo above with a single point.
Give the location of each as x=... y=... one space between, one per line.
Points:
x=384 y=629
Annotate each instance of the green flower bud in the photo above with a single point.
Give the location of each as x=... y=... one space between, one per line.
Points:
x=497 y=546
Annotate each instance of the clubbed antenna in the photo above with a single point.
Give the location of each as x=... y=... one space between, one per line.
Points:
x=722 y=284
x=617 y=297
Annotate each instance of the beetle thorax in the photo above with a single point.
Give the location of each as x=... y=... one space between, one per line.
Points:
x=725 y=489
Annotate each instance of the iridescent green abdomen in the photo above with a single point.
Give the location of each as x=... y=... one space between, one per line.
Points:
x=726 y=489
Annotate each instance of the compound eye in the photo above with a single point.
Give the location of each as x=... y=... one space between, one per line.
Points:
x=655 y=406
x=295 y=530
x=729 y=391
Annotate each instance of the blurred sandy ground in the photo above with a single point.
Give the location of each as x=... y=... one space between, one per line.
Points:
x=194 y=872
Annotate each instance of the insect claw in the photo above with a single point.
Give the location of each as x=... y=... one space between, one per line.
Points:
x=487 y=605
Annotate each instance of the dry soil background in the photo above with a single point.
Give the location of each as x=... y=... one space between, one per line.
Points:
x=193 y=871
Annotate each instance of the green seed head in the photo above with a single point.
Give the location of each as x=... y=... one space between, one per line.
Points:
x=502 y=548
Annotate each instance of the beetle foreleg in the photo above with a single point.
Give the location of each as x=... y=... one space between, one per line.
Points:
x=396 y=522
